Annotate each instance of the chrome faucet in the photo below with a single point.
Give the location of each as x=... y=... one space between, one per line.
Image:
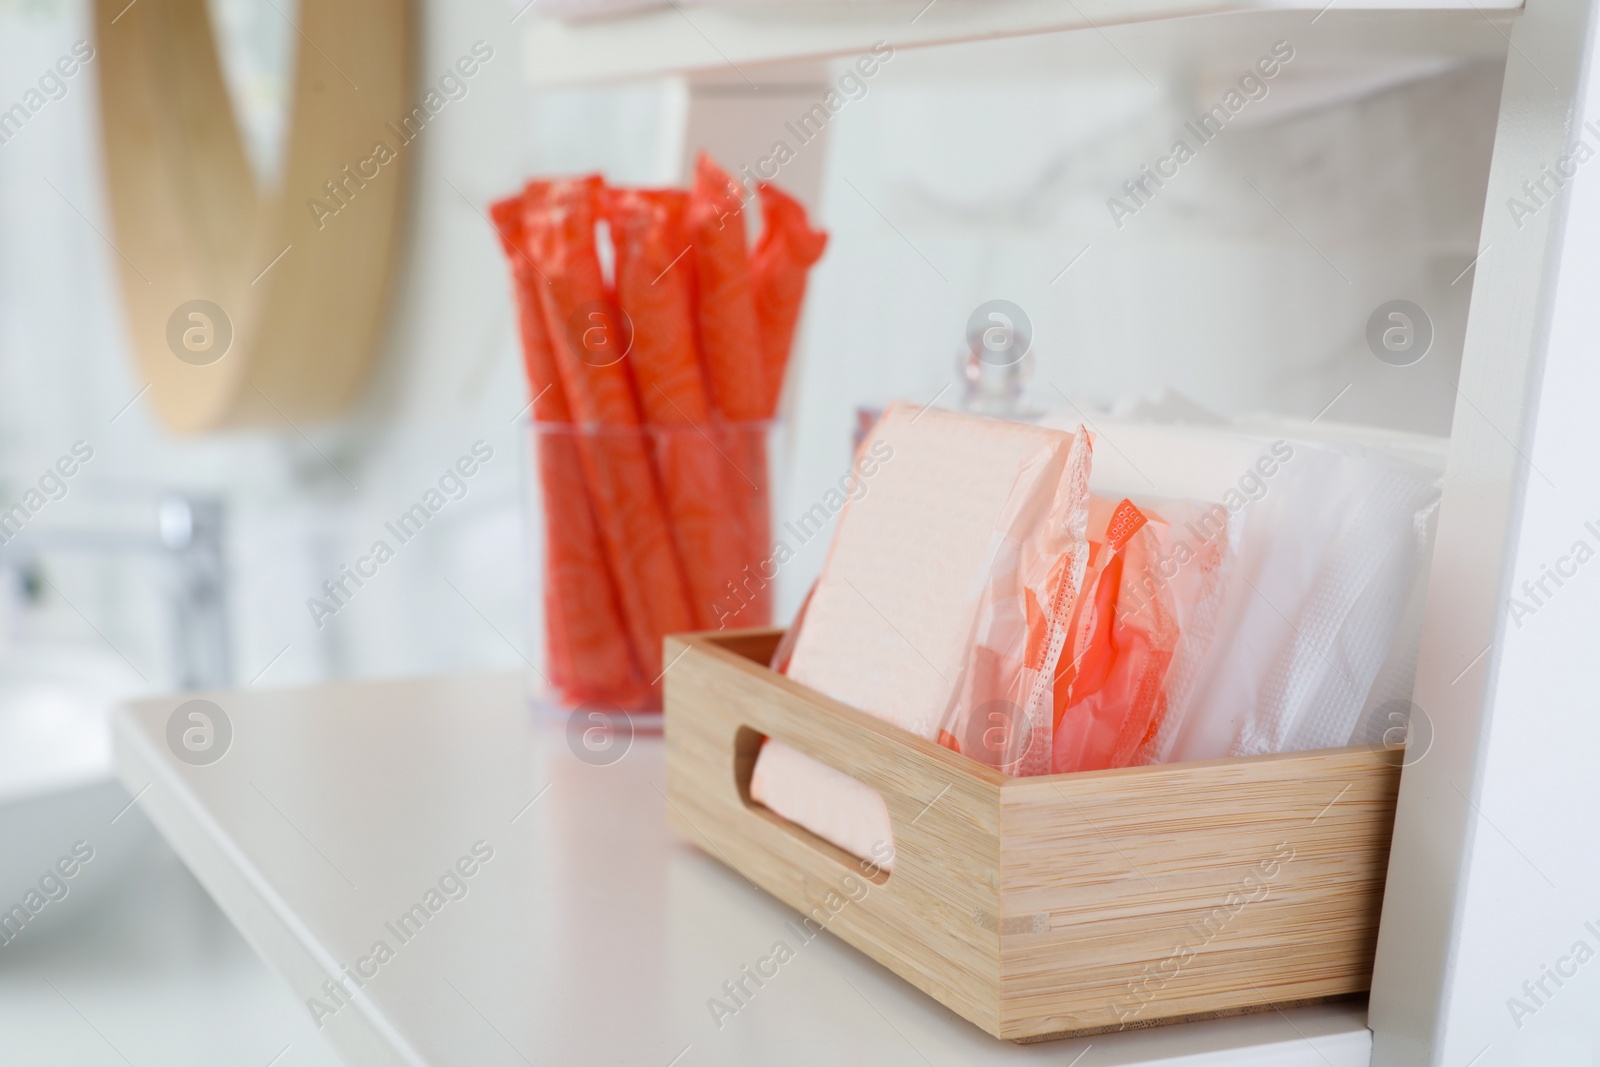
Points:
x=188 y=534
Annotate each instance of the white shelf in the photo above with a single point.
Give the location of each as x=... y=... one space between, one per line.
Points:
x=681 y=39
x=593 y=935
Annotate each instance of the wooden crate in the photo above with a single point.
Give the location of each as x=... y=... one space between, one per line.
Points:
x=1042 y=907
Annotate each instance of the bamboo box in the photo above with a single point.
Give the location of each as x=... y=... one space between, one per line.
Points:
x=1050 y=906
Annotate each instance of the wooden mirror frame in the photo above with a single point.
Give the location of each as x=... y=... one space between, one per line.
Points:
x=303 y=291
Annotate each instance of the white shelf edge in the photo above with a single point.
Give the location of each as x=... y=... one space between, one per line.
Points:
x=679 y=39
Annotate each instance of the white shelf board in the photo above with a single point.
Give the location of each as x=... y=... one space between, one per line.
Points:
x=594 y=935
x=679 y=39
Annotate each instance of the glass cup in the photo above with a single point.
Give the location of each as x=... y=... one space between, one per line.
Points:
x=640 y=532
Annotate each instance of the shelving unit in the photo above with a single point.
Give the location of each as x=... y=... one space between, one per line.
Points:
x=1483 y=880
x=679 y=39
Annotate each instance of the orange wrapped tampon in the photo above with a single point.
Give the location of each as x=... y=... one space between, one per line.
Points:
x=590 y=349
x=729 y=338
x=655 y=290
x=730 y=345
x=783 y=256
x=588 y=653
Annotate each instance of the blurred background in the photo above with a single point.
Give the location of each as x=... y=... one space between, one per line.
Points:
x=188 y=561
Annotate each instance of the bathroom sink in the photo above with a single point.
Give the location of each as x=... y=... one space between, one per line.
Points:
x=59 y=802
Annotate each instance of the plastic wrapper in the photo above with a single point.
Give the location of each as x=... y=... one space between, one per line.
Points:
x=731 y=345
x=589 y=658
x=1315 y=622
x=1327 y=562
x=779 y=266
x=1143 y=621
x=1109 y=684
x=590 y=346
x=701 y=488
x=1056 y=683
x=730 y=341
x=1003 y=695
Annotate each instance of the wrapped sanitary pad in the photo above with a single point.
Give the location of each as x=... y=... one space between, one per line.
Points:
x=957 y=504
x=1142 y=626
x=1329 y=528
x=1044 y=691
